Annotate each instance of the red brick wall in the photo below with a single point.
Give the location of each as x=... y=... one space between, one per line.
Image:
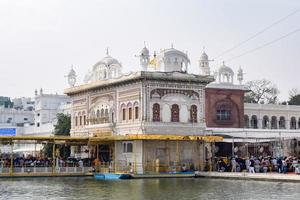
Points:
x=214 y=97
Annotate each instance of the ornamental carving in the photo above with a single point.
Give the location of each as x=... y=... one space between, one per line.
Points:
x=159 y=93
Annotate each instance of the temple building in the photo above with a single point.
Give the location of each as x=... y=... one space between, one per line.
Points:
x=157 y=104
x=164 y=116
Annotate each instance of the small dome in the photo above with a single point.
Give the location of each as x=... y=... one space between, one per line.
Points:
x=108 y=60
x=225 y=74
x=107 y=68
x=204 y=56
x=145 y=51
x=72 y=72
x=171 y=60
x=225 y=69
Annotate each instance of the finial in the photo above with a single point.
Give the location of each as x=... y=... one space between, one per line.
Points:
x=154 y=54
x=107 y=53
x=223 y=62
x=144 y=43
x=172 y=46
x=203 y=48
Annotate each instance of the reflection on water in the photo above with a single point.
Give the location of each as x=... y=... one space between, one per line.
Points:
x=189 y=188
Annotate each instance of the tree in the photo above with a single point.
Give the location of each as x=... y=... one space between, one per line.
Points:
x=61 y=128
x=294 y=98
x=261 y=91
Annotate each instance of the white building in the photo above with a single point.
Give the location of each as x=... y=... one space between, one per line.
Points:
x=47 y=106
x=23 y=103
x=13 y=117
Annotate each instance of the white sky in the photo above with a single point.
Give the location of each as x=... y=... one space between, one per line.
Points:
x=40 y=40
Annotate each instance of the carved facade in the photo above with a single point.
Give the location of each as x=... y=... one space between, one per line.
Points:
x=144 y=102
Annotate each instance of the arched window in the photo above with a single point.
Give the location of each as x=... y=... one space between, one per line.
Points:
x=156 y=112
x=273 y=122
x=265 y=122
x=129 y=107
x=281 y=122
x=254 y=121
x=127 y=147
x=106 y=112
x=130 y=113
x=193 y=113
x=136 y=112
x=224 y=112
x=246 y=121
x=76 y=121
x=84 y=120
x=124 y=114
x=293 y=123
x=80 y=120
x=175 y=113
x=102 y=112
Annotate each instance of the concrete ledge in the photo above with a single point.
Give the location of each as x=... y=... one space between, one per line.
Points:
x=7 y=175
x=250 y=176
x=140 y=176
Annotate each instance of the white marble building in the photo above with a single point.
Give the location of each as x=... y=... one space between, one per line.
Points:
x=162 y=99
x=272 y=116
x=47 y=106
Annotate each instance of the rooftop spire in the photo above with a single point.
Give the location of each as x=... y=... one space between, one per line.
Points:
x=107 y=53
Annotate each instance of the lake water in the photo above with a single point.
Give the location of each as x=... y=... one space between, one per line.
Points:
x=156 y=189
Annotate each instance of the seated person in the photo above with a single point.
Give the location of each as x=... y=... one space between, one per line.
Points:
x=183 y=168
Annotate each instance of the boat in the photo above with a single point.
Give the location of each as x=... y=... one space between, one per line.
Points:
x=111 y=176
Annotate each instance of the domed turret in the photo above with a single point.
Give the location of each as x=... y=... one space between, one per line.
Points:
x=144 y=58
x=108 y=67
x=204 y=56
x=240 y=76
x=170 y=60
x=225 y=74
x=204 y=64
x=145 y=52
x=72 y=77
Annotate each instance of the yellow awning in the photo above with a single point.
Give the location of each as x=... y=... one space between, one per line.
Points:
x=67 y=139
x=157 y=137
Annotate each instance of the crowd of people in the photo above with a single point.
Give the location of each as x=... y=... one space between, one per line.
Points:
x=258 y=164
x=39 y=161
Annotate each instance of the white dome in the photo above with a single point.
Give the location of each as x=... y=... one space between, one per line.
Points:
x=204 y=56
x=170 y=60
x=108 y=67
x=225 y=74
x=145 y=51
x=225 y=69
x=107 y=61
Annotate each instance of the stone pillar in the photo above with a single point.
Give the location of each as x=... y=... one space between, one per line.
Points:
x=138 y=156
x=259 y=123
x=287 y=124
x=201 y=156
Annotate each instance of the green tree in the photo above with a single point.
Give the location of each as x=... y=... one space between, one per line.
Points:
x=294 y=98
x=61 y=128
x=261 y=91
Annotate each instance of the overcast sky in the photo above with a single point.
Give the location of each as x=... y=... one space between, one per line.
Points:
x=40 y=40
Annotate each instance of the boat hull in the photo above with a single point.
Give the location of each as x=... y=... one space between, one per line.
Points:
x=111 y=176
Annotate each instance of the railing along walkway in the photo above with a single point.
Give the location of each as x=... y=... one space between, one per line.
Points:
x=44 y=171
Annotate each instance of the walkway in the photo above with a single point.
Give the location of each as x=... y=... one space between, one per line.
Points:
x=291 y=177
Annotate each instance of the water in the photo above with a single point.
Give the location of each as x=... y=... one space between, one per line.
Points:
x=153 y=189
